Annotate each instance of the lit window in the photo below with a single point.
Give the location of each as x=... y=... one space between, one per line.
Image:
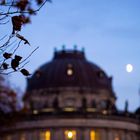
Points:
x=22 y=137
x=94 y=135
x=69 y=72
x=46 y=135
x=8 y=137
x=117 y=138
x=70 y=135
x=69 y=109
x=35 y=112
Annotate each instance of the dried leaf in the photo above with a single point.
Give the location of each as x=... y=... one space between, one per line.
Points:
x=25 y=72
x=17 y=22
x=15 y=62
x=22 y=38
x=22 y=4
x=18 y=58
x=7 y=55
x=5 y=65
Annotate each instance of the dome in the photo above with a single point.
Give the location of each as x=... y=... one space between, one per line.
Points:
x=137 y=112
x=69 y=68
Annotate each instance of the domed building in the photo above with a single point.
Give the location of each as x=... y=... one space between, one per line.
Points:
x=70 y=98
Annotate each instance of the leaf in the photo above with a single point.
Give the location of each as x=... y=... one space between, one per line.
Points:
x=22 y=38
x=5 y=65
x=17 y=22
x=25 y=72
x=7 y=55
x=18 y=58
x=15 y=62
x=22 y=4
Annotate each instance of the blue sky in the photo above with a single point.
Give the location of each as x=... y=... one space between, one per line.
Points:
x=109 y=30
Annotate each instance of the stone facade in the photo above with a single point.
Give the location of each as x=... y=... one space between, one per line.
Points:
x=70 y=98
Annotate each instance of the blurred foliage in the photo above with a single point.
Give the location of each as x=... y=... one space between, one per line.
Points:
x=8 y=97
x=18 y=12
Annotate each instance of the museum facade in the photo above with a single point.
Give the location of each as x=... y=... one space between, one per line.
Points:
x=70 y=98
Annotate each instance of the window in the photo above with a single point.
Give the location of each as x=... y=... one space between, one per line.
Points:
x=69 y=101
x=70 y=135
x=94 y=135
x=22 y=136
x=100 y=74
x=8 y=137
x=45 y=135
x=117 y=137
x=69 y=71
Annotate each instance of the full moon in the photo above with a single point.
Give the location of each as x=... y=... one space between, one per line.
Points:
x=129 y=68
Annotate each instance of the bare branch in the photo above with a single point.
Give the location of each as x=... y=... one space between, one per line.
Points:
x=29 y=55
x=17 y=47
x=24 y=12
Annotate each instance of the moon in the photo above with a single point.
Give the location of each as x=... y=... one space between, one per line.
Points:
x=129 y=68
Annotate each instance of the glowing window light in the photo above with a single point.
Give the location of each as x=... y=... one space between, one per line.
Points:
x=92 y=135
x=22 y=136
x=70 y=135
x=8 y=137
x=45 y=135
x=117 y=138
x=69 y=109
x=69 y=72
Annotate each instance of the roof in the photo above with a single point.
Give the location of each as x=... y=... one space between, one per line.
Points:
x=69 y=68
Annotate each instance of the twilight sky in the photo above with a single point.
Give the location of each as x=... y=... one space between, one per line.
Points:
x=109 y=30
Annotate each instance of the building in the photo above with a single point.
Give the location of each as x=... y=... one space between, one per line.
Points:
x=70 y=98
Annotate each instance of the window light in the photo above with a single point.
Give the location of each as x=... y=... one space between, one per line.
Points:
x=69 y=72
x=70 y=135
x=45 y=135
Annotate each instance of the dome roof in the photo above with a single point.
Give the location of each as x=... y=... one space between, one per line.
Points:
x=69 y=68
x=137 y=112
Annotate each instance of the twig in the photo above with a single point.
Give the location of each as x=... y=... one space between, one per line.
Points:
x=24 y=12
x=23 y=65
x=29 y=55
x=16 y=47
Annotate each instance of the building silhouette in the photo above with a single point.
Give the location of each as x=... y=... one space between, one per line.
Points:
x=70 y=98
